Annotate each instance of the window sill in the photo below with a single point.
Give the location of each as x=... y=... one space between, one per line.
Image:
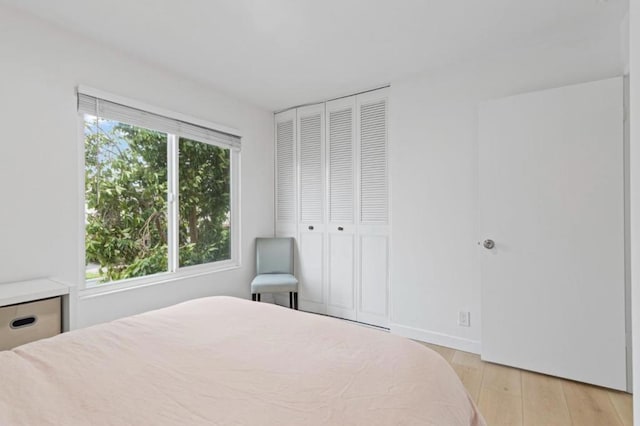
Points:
x=157 y=279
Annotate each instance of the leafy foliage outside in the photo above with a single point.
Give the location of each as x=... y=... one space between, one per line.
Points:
x=204 y=179
x=126 y=201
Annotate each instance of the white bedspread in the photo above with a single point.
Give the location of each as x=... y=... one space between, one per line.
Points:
x=227 y=361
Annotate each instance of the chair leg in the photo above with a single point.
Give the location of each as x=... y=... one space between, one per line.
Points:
x=258 y=297
x=295 y=300
x=291 y=299
x=253 y=297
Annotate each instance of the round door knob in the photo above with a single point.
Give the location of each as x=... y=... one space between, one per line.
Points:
x=488 y=244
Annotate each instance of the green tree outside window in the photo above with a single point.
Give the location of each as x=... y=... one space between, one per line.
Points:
x=126 y=201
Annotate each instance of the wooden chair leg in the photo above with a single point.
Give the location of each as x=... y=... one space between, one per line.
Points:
x=258 y=297
x=295 y=300
x=290 y=299
x=253 y=297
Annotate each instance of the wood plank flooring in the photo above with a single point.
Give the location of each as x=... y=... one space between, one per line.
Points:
x=509 y=396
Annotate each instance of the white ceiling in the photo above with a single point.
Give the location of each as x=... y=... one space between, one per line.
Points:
x=280 y=53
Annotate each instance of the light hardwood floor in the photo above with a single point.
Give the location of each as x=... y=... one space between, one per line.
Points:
x=509 y=396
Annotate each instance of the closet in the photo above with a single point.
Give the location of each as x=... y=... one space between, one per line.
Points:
x=332 y=196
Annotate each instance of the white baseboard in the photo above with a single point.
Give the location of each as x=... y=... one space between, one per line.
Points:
x=440 y=339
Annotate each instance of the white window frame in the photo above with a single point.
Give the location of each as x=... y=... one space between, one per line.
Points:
x=174 y=272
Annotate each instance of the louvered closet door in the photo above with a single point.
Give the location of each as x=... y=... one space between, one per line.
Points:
x=286 y=190
x=341 y=206
x=373 y=208
x=311 y=228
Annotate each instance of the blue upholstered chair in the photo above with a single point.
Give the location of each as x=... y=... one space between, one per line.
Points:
x=274 y=268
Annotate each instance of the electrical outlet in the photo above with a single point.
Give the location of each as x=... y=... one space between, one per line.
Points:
x=464 y=319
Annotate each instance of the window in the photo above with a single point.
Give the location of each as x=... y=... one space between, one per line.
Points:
x=159 y=193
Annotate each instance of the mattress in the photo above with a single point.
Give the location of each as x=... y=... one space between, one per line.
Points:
x=228 y=361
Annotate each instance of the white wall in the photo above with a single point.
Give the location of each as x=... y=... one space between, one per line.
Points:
x=40 y=149
x=433 y=161
x=634 y=161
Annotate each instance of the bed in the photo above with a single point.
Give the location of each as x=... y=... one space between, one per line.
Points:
x=228 y=361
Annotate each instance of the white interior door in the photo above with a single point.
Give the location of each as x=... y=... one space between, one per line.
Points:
x=552 y=200
x=311 y=239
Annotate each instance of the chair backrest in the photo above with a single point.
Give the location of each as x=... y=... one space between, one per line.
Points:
x=274 y=256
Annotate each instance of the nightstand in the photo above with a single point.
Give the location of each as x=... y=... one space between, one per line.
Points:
x=30 y=310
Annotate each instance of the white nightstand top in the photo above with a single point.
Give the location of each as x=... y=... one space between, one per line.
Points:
x=27 y=291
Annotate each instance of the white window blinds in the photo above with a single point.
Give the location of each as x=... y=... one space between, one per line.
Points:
x=102 y=108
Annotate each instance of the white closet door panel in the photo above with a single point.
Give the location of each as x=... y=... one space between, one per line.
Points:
x=373 y=177
x=310 y=161
x=341 y=159
x=373 y=207
x=374 y=279
x=311 y=271
x=341 y=275
x=286 y=167
x=341 y=201
x=311 y=230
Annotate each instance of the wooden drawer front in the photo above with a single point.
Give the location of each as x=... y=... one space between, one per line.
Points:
x=27 y=322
